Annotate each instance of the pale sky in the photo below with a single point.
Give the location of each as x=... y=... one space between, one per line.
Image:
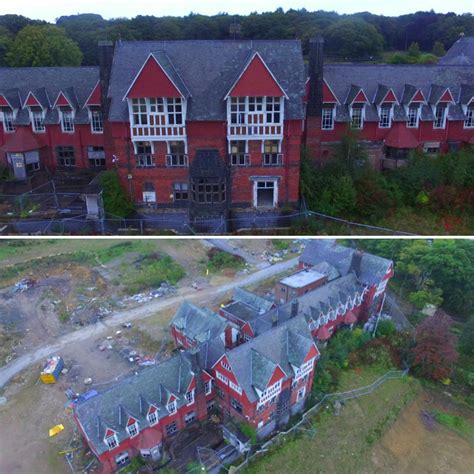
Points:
x=51 y=9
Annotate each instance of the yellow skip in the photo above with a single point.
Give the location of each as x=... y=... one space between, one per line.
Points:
x=55 y=430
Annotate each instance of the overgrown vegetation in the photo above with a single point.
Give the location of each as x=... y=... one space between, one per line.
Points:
x=219 y=260
x=116 y=202
x=456 y=423
x=151 y=271
x=437 y=190
x=281 y=245
x=249 y=431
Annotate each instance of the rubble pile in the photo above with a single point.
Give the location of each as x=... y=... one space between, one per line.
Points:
x=165 y=289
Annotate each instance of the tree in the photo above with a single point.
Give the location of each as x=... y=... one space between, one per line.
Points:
x=353 y=38
x=414 y=50
x=434 y=351
x=116 y=201
x=5 y=44
x=43 y=46
x=438 y=49
x=466 y=340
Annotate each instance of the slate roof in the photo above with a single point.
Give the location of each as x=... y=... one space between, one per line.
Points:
x=246 y=305
x=460 y=53
x=76 y=83
x=198 y=324
x=133 y=396
x=345 y=80
x=207 y=69
x=372 y=267
x=254 y=362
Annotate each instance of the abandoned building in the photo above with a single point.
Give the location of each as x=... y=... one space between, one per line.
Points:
x=204 y=133
x=253 y=362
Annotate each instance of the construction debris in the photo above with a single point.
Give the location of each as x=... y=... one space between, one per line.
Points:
x=55 y=430
x=52 y=369
x=165 y=289
x=88 y=381
x=24 y=285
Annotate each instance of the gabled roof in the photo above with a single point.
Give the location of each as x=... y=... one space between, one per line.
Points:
x=198 y=324
x=10 y=98
x=209 y=68
x=67 y=98
x=466 y=93
x=256 y=79
x=246 y=305
x=157 y=78
x=461 y=52
x=254 y=362
x=328 y=95
x=95 y=97
x=356 y=94
x=384 y=94
x=440 y=94
x=111 y=408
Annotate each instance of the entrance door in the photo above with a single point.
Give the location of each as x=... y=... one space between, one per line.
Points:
x=265 y=193
x=18 y=163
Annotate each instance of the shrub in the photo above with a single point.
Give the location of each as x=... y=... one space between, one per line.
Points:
x=116 y=201
x=218 y=260
x=385 y=328
x=249 y=431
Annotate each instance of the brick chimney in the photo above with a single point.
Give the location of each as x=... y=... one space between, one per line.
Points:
x=315 y=96
x=106 y=57
x=356 y=262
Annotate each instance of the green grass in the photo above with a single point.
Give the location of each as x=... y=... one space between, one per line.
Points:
x=219 y=260
x=150 y=272
x=343 y=443
x=281 y=245
x=456 y=423
x=107 y=254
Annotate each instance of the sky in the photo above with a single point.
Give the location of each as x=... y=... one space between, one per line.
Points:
x=51 y=9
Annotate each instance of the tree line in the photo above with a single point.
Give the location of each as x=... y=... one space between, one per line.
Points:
x=72 y=40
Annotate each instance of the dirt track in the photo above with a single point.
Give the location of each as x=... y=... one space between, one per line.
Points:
x=141 y=312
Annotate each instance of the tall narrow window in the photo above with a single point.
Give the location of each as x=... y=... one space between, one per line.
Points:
x=67 y=120
x=469 y=122
x=385 y=116
x=237 y=110
x=175 y=111
x=413 y=115
x=97 y=125
x=273 y=110
x=37 y=120
x=139 y=112
x=327 y=120
x=7 y=114
x=357 y=116
x=440 y=116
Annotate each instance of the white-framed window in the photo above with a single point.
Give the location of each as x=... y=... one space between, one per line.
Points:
x=222 y=378
x=171 y=407
x=270 y=392
x=171 y=428
x=153 y=418
x=7 y=119
x=122 y=459
x=385 y=116
x=237 y=110
x=301 y=394
x=176 y=154
x=357 y=116
x=132 y=429
x=469 y=122
x=144 y=154
x=271 y=153
x=67 y=120
x=112 y=441
x=189 y=417
x=37 y=120
x=139 y=112
x=265 y=193
x=304 y=370
x=190 y=397
x=225 y=366
x=431 y=148
x=175 y=111
x=96 y=156
x=238 y=153
x=235 y=387
x=273 y=110
x=413 y=115
x=327 y=119
x=440 y=116
x=208 y=387
x=97 y=124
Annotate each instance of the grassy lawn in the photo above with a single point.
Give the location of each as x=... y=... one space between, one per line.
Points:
x=342 y=444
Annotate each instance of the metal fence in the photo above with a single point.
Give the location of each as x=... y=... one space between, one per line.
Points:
x=332 y=397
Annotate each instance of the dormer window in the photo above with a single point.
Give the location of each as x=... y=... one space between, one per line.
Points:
x=385 y=115
x=95 y=116
x=440 y=115
x=8 y=117
x=111 y=441
x=37 y=119
x=413 y=114
x=153 y=418
x=469 y=122
x=171 y=407
x=357 y=116
x=132 y=429
x=67 y=119
x=327 y=120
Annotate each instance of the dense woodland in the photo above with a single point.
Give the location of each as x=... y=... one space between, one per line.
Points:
x=72 y=40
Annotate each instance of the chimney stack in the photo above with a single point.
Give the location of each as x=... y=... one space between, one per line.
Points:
x=106 y=57
x=316 y=62
x=356 y=262
x=200 y=392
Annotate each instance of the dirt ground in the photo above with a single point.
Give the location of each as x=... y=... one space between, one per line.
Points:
x=410 y=447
